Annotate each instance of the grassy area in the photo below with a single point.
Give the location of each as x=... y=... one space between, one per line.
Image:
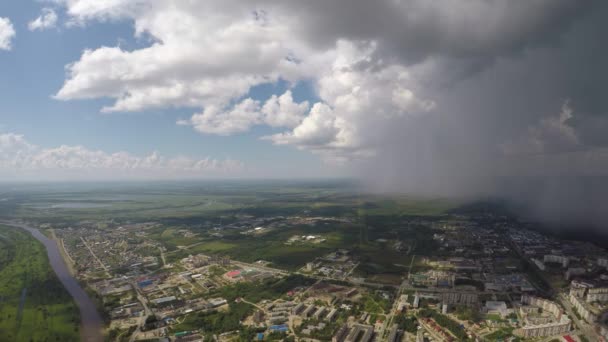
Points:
x=267 y=289
x=502 y=335
x=185 y=202
x=407 y=206
x=34 y=306
x=444 y=321
x=495 y=318
x=216 y=322
x=270 y=247
x=373 y=303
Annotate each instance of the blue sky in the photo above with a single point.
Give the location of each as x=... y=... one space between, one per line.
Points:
x=291 y=88
x=34 y=70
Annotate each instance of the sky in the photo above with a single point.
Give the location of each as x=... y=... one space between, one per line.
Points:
x=437 y=97
x=43 y=137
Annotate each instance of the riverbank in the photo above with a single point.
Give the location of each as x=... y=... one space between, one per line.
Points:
x=34 y=304
x=91 y=328
x=69 y=262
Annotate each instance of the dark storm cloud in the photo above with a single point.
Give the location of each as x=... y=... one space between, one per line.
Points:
x=413 y=30
x=539 y=89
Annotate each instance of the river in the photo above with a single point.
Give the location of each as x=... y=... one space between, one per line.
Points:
x=91 y=322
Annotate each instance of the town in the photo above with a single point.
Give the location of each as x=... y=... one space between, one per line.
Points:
x=456 y=279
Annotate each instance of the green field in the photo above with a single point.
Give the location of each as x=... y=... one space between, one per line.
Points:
x=200 y=206
x=34 y=306
x=191 y=202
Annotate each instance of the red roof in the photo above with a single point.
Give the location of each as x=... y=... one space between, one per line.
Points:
x=233 y=274
x=567 y=338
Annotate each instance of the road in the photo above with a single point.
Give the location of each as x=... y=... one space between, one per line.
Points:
x=162 y=256
x=147 y=312
x=391 y=315
x=403 y=287
x=432 y=331
x=93 y=254
x=259 y=267
x=350 y=272
x=409 y=272
x=254 y=305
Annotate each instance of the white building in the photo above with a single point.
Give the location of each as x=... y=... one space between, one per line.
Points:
x=496 y=307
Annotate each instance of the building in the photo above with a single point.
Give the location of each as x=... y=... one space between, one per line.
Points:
x=402 y=302
x=340 y=335
x=496 y=307
x=279 y=328
x=603 y=330
x=215 y=302
x=539 y=264
x=549 y=329
x=220 y=261
x=462 y=298
x=583 y=309
x=320 y=311
x=360 y=333
x=584 y=297
x=284 y=305
x=574 y=271
x=258 y=316
x=164 y=300
x=544 y=304
x=297 y=309
x=433 y=279
x=560 y=325
x=564 y=261
x=393 y=335
x=308 y=311
x=331 y=315
x=579 y=288
x=420 y=335
x=597 y=294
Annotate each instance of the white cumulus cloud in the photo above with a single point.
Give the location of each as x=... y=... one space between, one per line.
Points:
x=7 y=33
x=19 y=157
x=371 y=63
x=277 y=111
x=46 y=20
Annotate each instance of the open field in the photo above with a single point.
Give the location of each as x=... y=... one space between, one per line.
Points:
x=184 y=202
x=200 y=206
x=34 y=306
